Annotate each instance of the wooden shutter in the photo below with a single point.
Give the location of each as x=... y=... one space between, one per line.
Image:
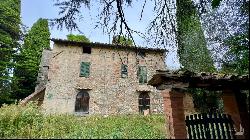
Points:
x=84 y=70
x=142 y=74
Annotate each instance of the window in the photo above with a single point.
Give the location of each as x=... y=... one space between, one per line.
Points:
x=113 y=56
x=142 y=54
x=144 y=102
x=82 y=102
x=124 y=71
x=84 y=70
x=142 y=74
x=86 y=50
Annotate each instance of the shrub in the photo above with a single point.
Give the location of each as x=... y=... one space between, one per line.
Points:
x=29 y=122
x=17 y=121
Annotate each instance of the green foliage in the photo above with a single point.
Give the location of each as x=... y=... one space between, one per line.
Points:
x=9 y=21
x=207 y=101
x=9 y=35
x=15 y=119
x=38 y=36
x=79 y=38
x=28 y=122
x=215 y=3
x=122 y=40
x=236 y=60
x=28 y=60
x=245 y=7
x=192 y=50
x=194 y=55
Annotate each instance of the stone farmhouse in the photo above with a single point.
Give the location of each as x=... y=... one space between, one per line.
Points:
x=97 y=78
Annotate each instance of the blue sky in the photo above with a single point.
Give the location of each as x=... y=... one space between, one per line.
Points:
x=32 y=10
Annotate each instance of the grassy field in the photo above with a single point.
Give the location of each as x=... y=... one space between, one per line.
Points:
x=29 y=122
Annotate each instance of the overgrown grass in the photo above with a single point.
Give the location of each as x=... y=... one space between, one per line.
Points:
x=29 y=122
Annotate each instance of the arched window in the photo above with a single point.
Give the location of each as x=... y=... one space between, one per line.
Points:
x=144 y=102
x=82 y=102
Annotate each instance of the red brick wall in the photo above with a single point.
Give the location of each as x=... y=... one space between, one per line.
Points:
x=174 y=111
x=231 y=107
x=179 y=104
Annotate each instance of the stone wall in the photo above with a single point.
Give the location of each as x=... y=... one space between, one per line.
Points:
x=109 y=93
x=188 y=104
x=42 y=77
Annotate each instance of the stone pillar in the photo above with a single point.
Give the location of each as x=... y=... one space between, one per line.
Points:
x=174 y=111
x=231 y=107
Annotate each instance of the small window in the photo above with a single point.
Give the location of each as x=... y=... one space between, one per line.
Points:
x=84 y=70
x=86 y=50
x=124 y=71
x=82 y=102
x=144 y=102
x=142 y=74
x=113 y=56
x=142 y=54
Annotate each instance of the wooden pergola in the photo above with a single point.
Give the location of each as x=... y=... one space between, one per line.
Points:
x=209 y=81
x=174 y=83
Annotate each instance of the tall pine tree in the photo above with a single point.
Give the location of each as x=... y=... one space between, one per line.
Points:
x=27 y=63
x=9 y=36
x=192 y=48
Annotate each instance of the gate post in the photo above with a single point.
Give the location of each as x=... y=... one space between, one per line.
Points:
x=174 y=111
x=231 y=107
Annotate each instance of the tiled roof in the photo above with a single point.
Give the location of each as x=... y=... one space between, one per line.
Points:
x=202 y=75
x=97 y=44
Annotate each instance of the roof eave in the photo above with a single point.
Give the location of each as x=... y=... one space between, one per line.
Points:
x=61 y=41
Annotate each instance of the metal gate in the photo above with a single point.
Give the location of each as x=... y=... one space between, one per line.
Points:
x=210 y=126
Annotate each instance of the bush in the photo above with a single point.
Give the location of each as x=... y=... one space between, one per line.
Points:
x=18 y=121
x=29 y=122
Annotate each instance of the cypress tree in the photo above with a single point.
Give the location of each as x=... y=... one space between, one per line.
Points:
x=192 y=49
x=27 y=63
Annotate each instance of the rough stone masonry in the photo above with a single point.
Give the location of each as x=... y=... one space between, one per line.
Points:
x=105 y=89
